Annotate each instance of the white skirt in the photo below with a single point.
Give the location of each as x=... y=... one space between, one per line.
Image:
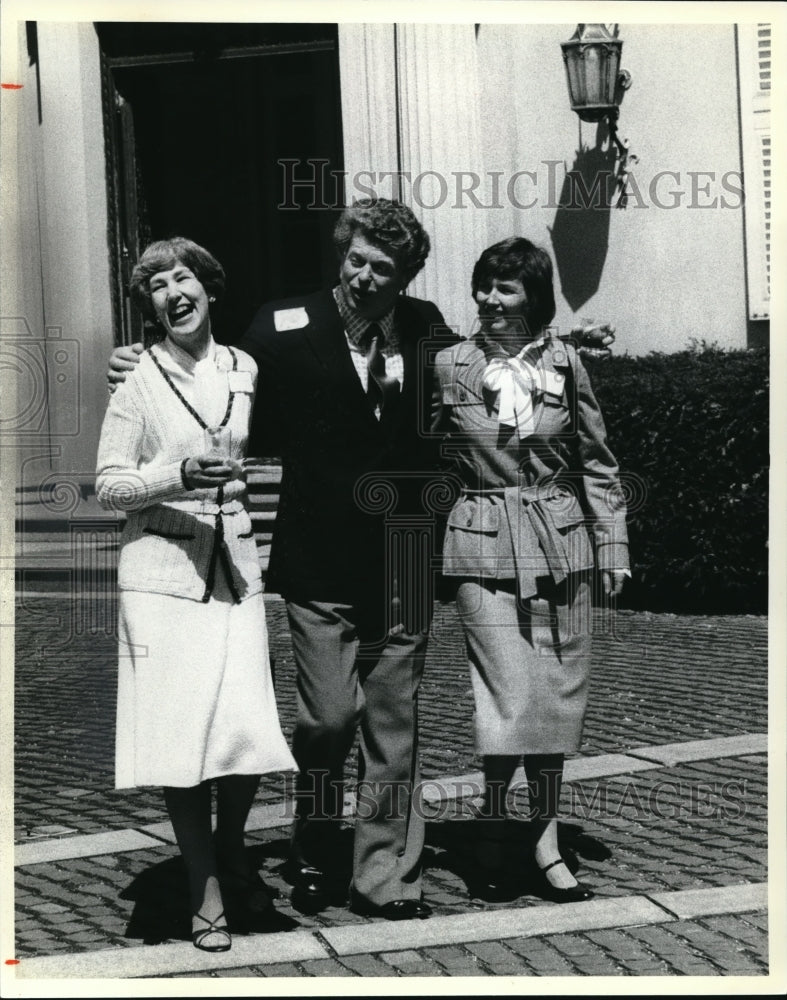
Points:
x=195 y=695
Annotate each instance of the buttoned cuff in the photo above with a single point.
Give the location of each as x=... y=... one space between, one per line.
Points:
x=612 y=555
x=183 y=478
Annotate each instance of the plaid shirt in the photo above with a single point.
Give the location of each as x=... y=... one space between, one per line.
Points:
x=354 y=329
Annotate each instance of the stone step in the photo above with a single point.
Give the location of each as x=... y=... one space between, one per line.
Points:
x=39 y=552
x=262 y=477
x=54 y=508
x=58 y=573
x=58 y=548
x=45 y=529
x=265 y=516
x=48 y=506
x=58 y=529
x=63 y=536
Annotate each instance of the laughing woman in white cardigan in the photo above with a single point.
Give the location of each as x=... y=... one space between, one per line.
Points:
x=195 y=696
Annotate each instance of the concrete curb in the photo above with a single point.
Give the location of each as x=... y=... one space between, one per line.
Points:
x=436 y=791
x=385 y=936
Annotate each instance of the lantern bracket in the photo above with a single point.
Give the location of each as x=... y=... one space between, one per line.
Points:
x=596 y=86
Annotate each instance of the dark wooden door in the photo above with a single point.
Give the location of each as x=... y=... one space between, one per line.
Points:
x=206 y=125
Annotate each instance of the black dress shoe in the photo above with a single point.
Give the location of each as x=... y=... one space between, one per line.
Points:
x=396 y=909
x=494 y=886
x=247 y=892
x=491 y=878
x=240 y=878
x=544 y=888
x=310 y=890
x=272 y=922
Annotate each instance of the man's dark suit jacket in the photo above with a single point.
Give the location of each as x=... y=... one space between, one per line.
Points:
x=329 y=542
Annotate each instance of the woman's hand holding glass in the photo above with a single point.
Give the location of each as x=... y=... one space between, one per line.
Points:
x=215 y=467
x=206 y=472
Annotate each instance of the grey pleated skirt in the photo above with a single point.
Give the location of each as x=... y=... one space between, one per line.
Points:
x=529 y=664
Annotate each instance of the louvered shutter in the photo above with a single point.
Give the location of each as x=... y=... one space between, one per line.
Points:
x=754 y=63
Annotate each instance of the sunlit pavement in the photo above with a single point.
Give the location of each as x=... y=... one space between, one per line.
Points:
x=664 y=810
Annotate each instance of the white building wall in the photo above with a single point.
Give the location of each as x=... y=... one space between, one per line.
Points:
x=25 y=416
x=74 y=245
x=670 y=274
x=490 y=103
x=56 y=299
x=410 y=109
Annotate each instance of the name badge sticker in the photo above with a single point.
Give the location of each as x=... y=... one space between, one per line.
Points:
x=290 y=319
x=240 y=382
x=554 y=383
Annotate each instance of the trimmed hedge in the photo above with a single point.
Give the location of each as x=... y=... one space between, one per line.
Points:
x=690 y=433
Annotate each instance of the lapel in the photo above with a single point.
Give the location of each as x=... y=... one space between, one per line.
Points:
x=407 y=322
x=325 y=334
x=326 y=337
x=411 y=329
x=469 y=367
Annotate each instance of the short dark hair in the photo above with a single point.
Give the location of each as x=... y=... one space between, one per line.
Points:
x=163 y=255
x=391 y=226
x=518 y=258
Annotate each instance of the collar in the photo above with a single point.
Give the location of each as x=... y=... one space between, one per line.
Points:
x=185 y=360
x=531 y=352
x=532 y=346
x=355 y=326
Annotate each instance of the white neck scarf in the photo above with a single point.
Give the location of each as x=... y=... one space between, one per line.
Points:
x=515 y=379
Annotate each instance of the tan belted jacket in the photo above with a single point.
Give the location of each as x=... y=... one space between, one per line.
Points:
x=533 y=507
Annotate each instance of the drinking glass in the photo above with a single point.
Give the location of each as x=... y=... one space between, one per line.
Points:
x=218 y=444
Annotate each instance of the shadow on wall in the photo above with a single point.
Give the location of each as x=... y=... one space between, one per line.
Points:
x=580 y=232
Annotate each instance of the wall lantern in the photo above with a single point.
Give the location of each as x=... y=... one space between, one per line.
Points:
x=596 y=85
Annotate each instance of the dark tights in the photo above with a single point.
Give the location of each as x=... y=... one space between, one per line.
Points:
x=544 y=773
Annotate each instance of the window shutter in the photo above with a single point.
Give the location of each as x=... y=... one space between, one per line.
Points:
x=754 y=66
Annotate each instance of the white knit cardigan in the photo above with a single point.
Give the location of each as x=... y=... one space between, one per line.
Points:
x=175 y=538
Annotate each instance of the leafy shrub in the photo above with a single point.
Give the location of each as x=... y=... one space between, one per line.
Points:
x=694 y=427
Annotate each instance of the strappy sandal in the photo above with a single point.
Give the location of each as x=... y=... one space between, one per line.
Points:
x=198 y=937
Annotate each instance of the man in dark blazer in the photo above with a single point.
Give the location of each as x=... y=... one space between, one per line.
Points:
x=343 y=398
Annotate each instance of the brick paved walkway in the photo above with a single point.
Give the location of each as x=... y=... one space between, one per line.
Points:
x=651 y=684
x=667 y=797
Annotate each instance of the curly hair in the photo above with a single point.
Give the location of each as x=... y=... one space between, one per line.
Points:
x=163 y=255
x=518 y=258
x=391 y=226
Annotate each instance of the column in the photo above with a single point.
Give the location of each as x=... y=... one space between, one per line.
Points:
x=74 y=245
x=367 y=69
x=440 y=143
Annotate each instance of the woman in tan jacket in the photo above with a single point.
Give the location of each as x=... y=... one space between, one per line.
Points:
x=529 y=446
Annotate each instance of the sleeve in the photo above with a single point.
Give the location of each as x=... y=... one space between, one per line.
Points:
x=121 y=482
x=259 y=342
x=440 y=339
x=603 y=493
x=441 y=409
